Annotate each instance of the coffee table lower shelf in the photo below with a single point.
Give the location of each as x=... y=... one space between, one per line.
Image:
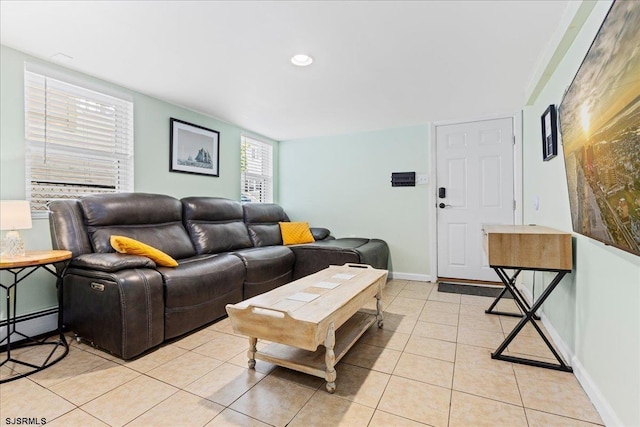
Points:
x=314 y=362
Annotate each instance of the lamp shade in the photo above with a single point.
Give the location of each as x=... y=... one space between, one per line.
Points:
x=15 y=215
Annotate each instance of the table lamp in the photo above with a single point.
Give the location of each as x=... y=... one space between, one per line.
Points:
x=14 y=215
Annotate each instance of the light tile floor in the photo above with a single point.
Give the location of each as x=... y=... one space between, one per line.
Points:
x=430 y=365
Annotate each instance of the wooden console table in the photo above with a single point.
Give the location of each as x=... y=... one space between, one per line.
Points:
x=22 y=267
x=527 y=247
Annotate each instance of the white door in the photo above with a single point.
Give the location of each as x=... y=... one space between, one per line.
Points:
x=474 y=166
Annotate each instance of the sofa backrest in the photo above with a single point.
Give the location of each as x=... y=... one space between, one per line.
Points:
x=153 y=219
x=215 y=224
x=180 y=228
x=262 y=221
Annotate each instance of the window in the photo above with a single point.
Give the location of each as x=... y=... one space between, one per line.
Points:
x=78 y=141
x=256 y=170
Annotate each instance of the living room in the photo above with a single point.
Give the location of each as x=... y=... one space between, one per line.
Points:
x=594 y=315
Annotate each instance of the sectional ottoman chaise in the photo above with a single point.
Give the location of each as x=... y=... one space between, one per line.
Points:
x=226 y=252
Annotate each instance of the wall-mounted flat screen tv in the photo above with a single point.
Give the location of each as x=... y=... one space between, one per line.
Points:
x=600 y=127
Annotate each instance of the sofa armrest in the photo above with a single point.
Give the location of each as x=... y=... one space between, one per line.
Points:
x=121 y=312
x=313 y=257
x=320 y=233
x=111 y=262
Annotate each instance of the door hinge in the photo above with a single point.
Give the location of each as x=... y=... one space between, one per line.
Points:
x=514 y=139
x=514 y=205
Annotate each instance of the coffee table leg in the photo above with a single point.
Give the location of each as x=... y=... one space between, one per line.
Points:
x=330 y=359
x=251 y=354
x=379 y=308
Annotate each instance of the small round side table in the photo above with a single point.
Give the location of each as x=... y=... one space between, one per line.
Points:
x=20 y=268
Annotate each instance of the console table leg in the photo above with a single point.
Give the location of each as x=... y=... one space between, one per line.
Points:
x=251 y=354
x=379 y=309
x=330 y=359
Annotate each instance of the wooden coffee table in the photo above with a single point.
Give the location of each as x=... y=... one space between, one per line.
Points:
x=323 y=308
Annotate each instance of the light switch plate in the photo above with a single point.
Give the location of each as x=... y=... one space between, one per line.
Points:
x=422 y=179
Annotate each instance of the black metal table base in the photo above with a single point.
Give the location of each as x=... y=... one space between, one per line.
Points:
x=528 y=316
x=512 y=280
x=49 y=360
x=10 y=345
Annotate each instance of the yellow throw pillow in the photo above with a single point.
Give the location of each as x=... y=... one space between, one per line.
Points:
x=294 y=233
x=126 y=245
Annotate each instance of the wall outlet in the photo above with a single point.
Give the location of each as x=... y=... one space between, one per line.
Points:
x=422 y=179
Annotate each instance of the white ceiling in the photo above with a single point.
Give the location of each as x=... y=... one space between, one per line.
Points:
x=378 y=64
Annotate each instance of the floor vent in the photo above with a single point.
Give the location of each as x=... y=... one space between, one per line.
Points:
x=469 y=289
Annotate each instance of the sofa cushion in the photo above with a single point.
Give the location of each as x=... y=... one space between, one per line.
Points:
x=215 y=224
x=262 y=221
x=171 y=239
x=295 y=233
x=267 y=268
x=197 y=291
x=151 y=218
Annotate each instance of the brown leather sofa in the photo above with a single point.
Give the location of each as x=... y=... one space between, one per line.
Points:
x=227 y=251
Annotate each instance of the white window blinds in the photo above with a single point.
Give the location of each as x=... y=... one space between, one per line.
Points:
x=256 y=170
x=78 y=141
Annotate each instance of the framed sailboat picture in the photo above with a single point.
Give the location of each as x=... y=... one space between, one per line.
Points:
x=194 y=149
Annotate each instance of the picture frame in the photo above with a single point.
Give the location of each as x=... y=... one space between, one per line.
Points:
x=194 y=149
x=549 y=122
x=598 y=123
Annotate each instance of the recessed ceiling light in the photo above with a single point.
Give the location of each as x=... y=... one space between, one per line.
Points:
x=301 y=60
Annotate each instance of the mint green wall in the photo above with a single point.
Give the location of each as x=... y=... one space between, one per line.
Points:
x=596 y=310
x=151 y=136
x=344 y=183
x=151 y=118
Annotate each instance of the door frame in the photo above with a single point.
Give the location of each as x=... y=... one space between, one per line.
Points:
x=517 y=177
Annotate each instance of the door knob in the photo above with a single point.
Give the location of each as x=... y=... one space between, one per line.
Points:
x=442 y=205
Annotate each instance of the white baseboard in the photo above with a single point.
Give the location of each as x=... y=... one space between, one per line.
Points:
x=33 y=327
x=410 y=276
x=601 y=404
x=605 y=410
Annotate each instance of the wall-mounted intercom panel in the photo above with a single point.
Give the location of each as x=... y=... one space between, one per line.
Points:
x=403 y=179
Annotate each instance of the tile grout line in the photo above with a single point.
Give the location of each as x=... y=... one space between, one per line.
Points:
x=455 y=356
x=97 y=397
